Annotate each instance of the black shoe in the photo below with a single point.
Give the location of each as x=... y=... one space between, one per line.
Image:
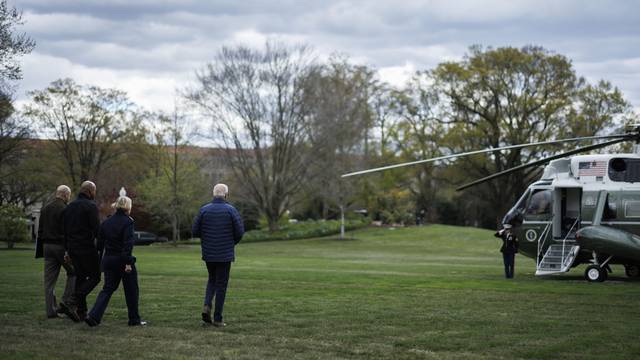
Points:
x=206 y=318
x=138 y=323
x=219 y=324
x=206 y=314
x=91 y=321
x=72 y=314
x=62 y=309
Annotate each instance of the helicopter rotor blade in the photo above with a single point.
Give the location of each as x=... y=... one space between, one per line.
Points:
x=518 y=146
x=542 y=161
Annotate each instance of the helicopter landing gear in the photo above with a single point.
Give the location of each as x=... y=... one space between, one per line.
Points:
x=632 y=271
x=598 y=272
x=595 y=273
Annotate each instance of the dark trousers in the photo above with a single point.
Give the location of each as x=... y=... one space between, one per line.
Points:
x=53 y=261
x=86 y=263
x=217 y=285
x=509 y=259
x=113 y=267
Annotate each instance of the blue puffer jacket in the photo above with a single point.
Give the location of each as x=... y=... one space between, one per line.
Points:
x=220 y=228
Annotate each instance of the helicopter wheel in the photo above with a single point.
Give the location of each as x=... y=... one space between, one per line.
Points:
x=632 y=271
x=595 y=273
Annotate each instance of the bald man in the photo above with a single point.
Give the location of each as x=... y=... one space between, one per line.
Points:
x=51 y=236
x=81 y=224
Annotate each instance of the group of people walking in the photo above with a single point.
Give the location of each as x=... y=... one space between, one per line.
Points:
x=70 y=236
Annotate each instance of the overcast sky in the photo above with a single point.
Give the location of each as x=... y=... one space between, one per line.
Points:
x=150 y=48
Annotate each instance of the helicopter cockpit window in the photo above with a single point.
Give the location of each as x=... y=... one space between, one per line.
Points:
x=624 y=169
x=514 y=216
x=539 y=203
x=522 y=202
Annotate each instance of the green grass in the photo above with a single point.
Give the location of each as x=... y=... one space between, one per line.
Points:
x=434 y=292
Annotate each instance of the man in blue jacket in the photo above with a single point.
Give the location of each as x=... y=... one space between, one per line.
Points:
x=220 y=229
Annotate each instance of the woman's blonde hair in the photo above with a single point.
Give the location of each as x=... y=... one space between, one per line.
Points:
x=123 y=202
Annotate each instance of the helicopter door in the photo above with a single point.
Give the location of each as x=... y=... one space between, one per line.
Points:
x=566 y=212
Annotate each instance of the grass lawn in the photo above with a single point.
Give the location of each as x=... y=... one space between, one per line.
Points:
x=433 y=292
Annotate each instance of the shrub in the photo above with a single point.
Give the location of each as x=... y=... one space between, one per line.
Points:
x=304 y=229
x=14 y=227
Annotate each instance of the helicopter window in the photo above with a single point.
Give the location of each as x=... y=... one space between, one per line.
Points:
x=618 y=165
x=625 y=170
x=632 y=209
x=539 y=203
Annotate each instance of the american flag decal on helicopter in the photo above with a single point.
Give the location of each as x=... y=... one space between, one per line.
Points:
x=592 y=168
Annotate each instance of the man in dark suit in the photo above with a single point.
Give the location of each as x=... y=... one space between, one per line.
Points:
x=81 y=224
x=508 y=249
x=220 y=229
x=51 y=238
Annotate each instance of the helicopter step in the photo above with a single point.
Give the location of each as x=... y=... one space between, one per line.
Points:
x=558 y=258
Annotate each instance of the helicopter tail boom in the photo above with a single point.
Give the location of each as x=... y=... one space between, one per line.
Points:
x=610 y=241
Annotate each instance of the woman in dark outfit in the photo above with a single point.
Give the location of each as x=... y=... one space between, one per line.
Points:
x=116 y=238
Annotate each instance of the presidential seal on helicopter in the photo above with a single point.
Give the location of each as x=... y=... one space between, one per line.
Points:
x=584 y=209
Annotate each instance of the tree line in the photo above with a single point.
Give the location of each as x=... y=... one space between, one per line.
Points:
x=287 y=125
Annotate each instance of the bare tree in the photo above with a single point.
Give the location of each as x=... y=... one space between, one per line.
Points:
x=339 y=122
x=88 y=125
x=255 y=99
x=173 y=188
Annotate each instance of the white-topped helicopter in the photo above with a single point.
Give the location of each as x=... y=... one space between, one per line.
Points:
x=584 y=209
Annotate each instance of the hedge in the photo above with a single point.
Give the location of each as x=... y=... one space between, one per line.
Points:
x=300 y=230
x=304 y=230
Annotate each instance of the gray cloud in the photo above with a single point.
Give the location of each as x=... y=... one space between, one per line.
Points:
x=162 y=42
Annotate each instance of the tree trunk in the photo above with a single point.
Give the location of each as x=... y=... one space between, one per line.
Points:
x=342 y=222
x=10 y=244
x=174 y=218
x=174 y=226
x=273 y=223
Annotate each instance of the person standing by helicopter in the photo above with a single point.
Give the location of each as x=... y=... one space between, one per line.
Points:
x=508 y=249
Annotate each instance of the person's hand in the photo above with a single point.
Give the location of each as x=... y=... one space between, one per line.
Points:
x=67 y=258
x=127 y=268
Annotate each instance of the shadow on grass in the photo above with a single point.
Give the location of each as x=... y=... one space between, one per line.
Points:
x=577 y=277
x=187 y=243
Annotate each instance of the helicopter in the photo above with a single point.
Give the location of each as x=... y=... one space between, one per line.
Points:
x=584 y=209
